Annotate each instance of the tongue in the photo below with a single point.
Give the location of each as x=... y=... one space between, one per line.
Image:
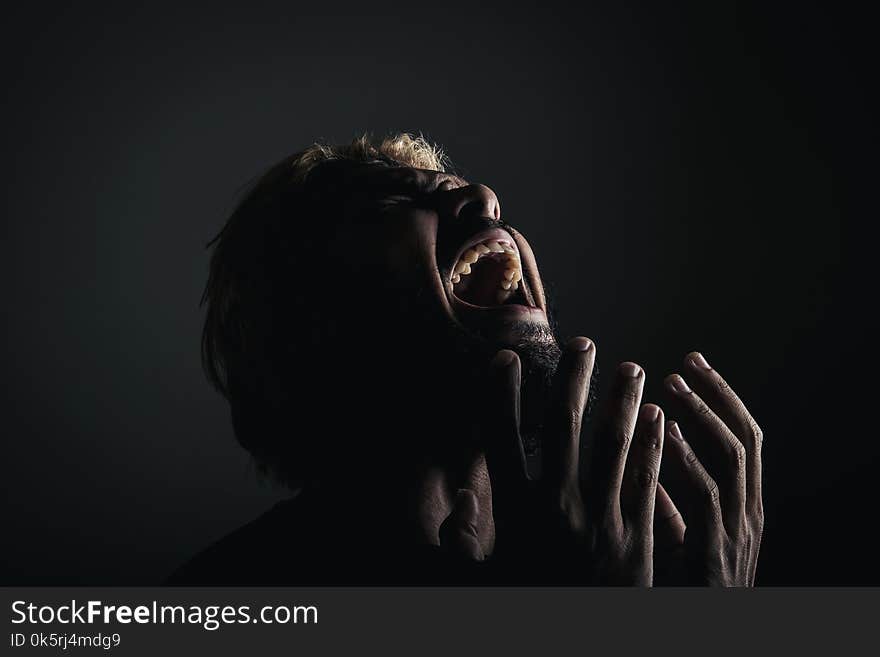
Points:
x=482 y=285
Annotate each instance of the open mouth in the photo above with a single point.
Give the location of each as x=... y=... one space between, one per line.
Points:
x=489 y=287
x=489 y=274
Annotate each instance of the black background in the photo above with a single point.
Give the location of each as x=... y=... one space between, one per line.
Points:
x=690 y=178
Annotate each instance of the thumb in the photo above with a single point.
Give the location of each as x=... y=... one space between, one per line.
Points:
x=458 y=533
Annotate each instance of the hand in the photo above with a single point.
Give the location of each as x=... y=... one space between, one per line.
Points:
x=459 y=536
x=719 y=492
x=455 y=560
x=598 y=530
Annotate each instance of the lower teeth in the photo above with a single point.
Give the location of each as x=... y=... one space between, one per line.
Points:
x=509 y=273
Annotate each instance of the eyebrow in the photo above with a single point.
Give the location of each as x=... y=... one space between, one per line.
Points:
x=388 y=181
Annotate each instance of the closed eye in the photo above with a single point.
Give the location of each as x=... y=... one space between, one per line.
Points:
x=408 y=198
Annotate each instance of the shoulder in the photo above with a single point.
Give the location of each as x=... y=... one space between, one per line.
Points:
x=261 y=552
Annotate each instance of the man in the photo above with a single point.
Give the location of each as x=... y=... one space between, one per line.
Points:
x=384 y=340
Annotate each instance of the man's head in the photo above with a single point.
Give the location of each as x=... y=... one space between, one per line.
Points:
x=362 y=283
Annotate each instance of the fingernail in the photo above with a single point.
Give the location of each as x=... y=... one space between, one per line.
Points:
x=700 y=362
x=673 y=430
x=503 y=358
x=580 y=344
x=630 y=369
x=678 y=384
x=650 y=413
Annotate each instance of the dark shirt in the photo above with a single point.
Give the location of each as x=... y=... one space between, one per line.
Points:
x=293 y=544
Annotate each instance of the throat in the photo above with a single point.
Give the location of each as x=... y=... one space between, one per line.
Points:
x=491 y=281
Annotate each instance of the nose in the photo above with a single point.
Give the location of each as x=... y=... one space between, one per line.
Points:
x=472 y=202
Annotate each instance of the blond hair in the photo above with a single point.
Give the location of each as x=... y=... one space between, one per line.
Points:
x=403 y=148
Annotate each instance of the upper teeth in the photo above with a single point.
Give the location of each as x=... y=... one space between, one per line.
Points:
x=512 y=271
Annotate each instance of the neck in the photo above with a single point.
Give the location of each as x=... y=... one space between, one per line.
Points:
x=404 y=502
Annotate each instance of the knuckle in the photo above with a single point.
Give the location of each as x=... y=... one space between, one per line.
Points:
x=620 y=440
x=709 y=492
x=581 y=369
x=573 y=421
x=646 y=478
x=756 y=436
x=758 y=522
x=652 y=440
x=630 y=395
x=702 y=408
x=757 y=516
x=736 y=454
x=721 y=385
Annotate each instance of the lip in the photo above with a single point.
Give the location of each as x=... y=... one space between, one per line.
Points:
x=509 y=312
x=498 y=316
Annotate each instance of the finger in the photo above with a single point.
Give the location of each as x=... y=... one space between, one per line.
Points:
x=728 y=406
x=722 y=454
x=561 y=448
x=693 y=486
x=641 y=473
x=611 y=444
x=458 y=533
x=669 y=527
x=505 y=457
x=669 y=530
